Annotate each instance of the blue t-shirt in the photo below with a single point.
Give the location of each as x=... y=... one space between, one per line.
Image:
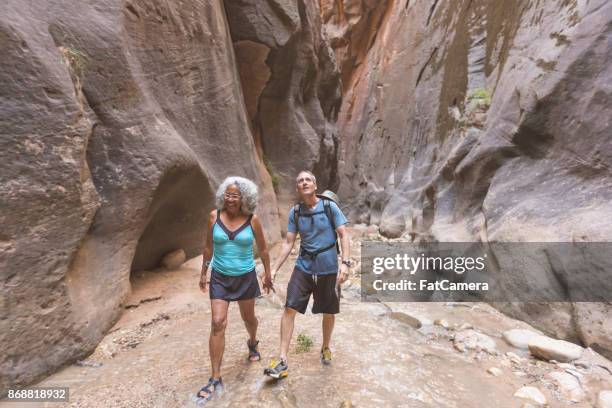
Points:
x=316 y=233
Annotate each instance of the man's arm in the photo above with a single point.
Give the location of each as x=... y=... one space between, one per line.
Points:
x=343 y=236
x=284 y=252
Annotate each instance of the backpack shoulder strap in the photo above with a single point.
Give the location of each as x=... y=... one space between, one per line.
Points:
x=328 y=212
x=330 y=217
x=296 y=216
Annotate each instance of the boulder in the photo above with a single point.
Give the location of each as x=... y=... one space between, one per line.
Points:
x=531 y=393
x=473 y=340
x=442 y=323
x=514 y=358
x=405 y=318
x=463 y=326
x=568 y=385
x=173 y=260
x=519 y=338
x=546 y=348
x=494 y=371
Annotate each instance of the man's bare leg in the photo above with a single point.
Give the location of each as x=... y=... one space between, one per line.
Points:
x=287 y=323
x=328 y=328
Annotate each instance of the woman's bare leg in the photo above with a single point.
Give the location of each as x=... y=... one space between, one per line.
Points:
x=216 y=343
x=247 y=311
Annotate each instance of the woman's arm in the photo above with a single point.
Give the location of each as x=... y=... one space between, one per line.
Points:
x=262 y=249
x=208 y=248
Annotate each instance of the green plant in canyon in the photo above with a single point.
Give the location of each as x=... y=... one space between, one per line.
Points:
x=75 y=59
x=480 y=96
x=273 y=175
x=305 y=343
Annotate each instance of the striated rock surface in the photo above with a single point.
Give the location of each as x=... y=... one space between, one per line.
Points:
x=352 y=27
x=481 y=120
x=119 y=120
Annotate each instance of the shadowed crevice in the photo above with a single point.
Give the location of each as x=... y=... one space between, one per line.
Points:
x=177 y=217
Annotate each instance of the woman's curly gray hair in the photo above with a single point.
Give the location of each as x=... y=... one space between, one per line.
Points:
x=248 y=193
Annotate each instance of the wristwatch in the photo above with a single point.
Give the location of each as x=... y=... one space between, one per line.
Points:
x=347 y=263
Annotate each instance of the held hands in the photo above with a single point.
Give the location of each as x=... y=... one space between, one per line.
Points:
x=268 y=283
x=343 y=274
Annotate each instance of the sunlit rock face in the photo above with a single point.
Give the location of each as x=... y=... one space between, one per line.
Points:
x=480 y=120
x=292 y=86
x=119 y=120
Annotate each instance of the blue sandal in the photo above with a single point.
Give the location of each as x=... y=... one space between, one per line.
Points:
x=253 y=352
x=213 y=387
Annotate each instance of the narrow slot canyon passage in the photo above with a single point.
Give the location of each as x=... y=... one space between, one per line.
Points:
x=419 y=123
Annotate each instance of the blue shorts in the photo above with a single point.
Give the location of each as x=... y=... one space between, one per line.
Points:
x=232 y=288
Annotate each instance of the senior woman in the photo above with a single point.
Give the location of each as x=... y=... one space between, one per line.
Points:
x=232 y=228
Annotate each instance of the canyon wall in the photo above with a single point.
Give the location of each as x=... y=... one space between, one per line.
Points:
x=119 y=120
x=481 y=121
x=292 y=88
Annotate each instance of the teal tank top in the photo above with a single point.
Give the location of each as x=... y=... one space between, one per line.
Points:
x=233 y=250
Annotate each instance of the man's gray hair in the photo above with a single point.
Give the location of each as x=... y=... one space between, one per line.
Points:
x=314 y=179
x=248 y=193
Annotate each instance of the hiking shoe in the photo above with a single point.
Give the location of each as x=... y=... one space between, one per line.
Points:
x=326 y=356
x=277 y=369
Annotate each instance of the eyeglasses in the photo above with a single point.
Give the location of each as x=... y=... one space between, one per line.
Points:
x=230 y=196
